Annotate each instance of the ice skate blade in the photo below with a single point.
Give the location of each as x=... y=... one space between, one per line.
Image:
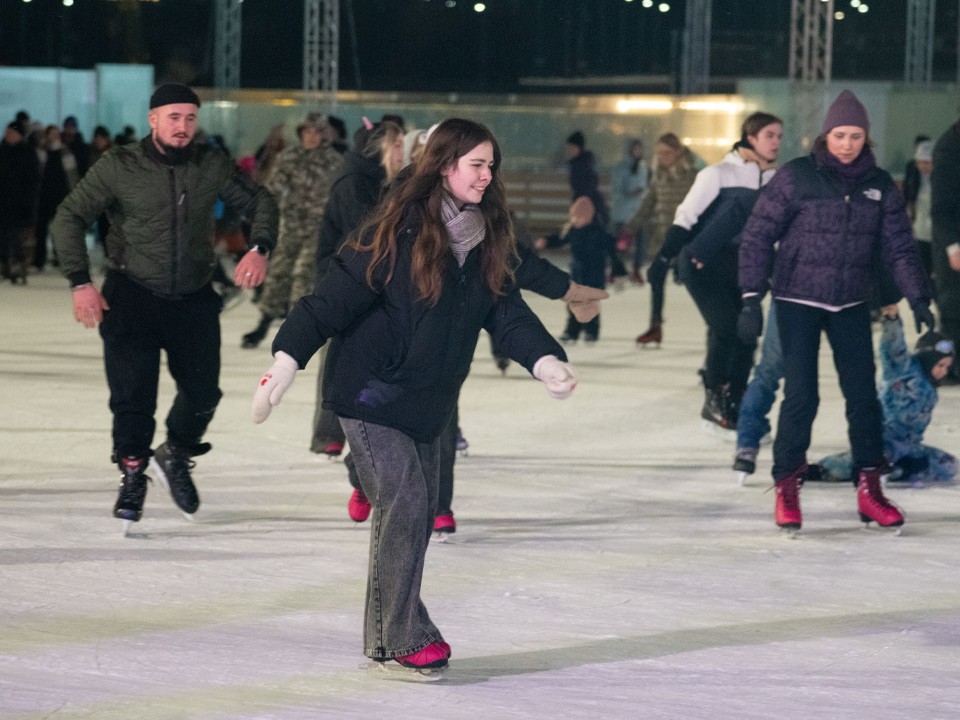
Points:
x=790 y=533
x=392 y=670
x=894 y=530
x=725 y=434
x=742 y=478
x=441 y=536
x=126 y=527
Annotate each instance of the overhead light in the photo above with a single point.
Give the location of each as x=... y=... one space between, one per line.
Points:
x=626 y=106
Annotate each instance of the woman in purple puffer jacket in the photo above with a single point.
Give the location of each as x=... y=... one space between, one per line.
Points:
x=835 y=215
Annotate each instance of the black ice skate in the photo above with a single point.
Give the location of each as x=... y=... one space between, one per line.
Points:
x=745 y=463
x=173 y=465
x=133 y=491
x=462 y=445
x=715 y=414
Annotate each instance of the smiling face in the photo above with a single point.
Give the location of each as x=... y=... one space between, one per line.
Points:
x=173 y=126
x=845 y=142
x=468 y=178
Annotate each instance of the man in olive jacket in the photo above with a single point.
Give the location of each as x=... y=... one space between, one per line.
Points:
x=159 y=196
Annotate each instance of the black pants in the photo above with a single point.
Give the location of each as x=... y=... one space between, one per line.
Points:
x=715 y=291
x=135 y=329
x=850 y=338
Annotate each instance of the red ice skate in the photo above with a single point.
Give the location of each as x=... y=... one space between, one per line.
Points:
x=434 y=655
x=359 y=506
x=872 y=504
x=445 y=523
x=787 y=509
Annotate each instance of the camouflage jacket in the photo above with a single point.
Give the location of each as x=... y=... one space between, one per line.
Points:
x=301 y=180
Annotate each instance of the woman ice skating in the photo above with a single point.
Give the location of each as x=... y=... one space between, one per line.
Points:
x=403 y=303
x=834 y=214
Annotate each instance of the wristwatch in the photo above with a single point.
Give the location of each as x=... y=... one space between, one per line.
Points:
x=262 y=249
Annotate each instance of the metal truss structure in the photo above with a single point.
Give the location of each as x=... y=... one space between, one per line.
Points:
x=918 y=67
x=226 y=70
x=695 y=62
x=321 y=48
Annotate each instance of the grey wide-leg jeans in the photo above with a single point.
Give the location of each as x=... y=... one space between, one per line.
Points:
x=400 y=477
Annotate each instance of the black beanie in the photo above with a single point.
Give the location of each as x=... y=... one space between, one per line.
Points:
x=932 y=347
x=173 y=94
x=577 y=139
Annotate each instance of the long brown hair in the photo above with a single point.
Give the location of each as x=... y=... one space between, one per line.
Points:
x=422 y=192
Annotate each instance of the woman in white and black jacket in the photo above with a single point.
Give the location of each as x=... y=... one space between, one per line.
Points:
x=404 y=303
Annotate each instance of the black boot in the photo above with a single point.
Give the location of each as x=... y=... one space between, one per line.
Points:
x=174 y=464
x=133 y=489
x=256 y=336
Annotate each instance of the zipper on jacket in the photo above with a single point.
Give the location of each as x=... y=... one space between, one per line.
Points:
x=174 y=230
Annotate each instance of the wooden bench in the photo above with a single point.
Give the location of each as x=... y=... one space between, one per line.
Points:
x=540 y=198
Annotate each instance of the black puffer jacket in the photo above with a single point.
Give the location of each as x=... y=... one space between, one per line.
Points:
x=395 y=360
x=352 y=196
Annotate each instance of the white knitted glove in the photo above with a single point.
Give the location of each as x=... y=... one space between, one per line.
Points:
x=273 y=385
x=556 y=375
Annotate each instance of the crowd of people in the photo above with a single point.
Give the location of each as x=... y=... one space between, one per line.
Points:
x=387 y=256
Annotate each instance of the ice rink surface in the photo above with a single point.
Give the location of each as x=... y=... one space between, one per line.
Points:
x=606 y=563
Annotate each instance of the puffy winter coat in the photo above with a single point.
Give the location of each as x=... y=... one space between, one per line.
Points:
x=161 y=216
x=394 y=359
x=829 y=238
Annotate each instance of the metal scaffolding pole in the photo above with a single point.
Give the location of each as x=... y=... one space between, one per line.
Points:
x=226 y=73
x=811 y=41
x=811 y=65
x=695 y=62
x=321 y=49
x=918 y=67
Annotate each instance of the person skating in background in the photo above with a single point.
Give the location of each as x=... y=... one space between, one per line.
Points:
x=300 y=180
x=59 y=173
x=919 y=208
x=835 y=215
x=159 y=194
x=589 y=243
x=432 y=267
x=630 y=179
x=912 y=175
x=673 y=174
x=908 y=396
x=19 y=180
x=703 y=241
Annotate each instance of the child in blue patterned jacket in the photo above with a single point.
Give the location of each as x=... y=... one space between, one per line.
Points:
x=908 y=395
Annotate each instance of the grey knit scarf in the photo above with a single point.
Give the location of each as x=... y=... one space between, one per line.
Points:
x=465 y=228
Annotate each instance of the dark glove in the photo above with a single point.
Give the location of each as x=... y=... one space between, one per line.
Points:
x=657 y=273
x=922 y=315
x=750 y=321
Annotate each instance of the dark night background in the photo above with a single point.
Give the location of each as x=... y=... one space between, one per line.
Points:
x=425 y=45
